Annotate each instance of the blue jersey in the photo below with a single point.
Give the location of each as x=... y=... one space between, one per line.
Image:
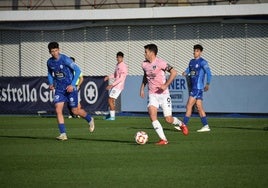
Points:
x=62 y=72
x=197 y=70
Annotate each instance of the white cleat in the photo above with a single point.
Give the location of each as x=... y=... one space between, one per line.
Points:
x=62 y=137
x=178 y=128
x=91 y=125
x=204 y=129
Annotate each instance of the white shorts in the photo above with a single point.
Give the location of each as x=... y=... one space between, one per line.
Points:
x=114 y=93
x=163 y=101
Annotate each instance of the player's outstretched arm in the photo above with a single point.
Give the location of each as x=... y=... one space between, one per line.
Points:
x=172 y=76
x=143 y=84
x=208 y=75
x=142 y=95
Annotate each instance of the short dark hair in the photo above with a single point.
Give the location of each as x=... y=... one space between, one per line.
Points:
x=72 y=58
x=199 y=47
x=152 y=48
x=53 y=45
x=120 y=54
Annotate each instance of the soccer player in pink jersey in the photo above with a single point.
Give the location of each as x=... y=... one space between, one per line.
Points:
x=154 y=75
x=119 y=76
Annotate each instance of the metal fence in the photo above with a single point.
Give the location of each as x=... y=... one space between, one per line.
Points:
x=230 y=48
x=111 y=4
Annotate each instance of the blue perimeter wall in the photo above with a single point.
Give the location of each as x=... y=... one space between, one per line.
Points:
x=227 y=94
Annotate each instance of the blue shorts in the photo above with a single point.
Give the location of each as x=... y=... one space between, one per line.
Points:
x=197 y=94
x=64 y=96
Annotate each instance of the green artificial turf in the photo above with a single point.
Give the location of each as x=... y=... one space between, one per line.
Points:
x=233 y=154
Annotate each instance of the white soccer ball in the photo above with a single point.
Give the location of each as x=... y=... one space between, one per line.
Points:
x=141 y=137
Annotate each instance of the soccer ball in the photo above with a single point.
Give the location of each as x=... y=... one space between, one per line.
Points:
x=141 y=137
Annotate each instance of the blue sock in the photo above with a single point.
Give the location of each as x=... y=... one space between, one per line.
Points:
x=88 y=118
x=186 y=120
x=61 y=127
x=204 y=120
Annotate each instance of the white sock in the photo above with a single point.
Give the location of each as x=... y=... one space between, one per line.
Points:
x=159 y=130
x=176 y=121
x=112 y=113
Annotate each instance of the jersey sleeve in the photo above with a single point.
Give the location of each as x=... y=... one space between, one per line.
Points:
x=75 y=69
x=187 y=70
x=49 y=75
x=80 y=76
x=207 y=70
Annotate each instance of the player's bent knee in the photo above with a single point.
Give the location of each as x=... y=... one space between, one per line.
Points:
x=75 y=111
x=169 y=119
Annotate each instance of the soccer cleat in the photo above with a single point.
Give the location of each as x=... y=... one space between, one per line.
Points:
x=110 y=119
x=162 y=142
x=73 y=116
x=204 y=129
x=178 y=128
x=91 y=125
x=184 y=129
x=62 y=137
x=106 y=117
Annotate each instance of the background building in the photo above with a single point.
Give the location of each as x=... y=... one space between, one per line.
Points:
x=111 y=4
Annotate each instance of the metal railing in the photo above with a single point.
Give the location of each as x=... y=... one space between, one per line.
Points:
x=110 y=4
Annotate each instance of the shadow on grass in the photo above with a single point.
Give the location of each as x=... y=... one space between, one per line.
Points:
x=141 y=128
x=103 y=140
x=83 y=139
x=265 y=128
x=242 y=128
x=214 y=127
x=27 y=137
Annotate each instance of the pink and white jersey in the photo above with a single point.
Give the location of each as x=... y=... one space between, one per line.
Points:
x=155 y=73
x=120 y=75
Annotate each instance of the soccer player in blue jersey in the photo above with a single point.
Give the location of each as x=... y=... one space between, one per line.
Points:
x=197 y=70
x=63 y=74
